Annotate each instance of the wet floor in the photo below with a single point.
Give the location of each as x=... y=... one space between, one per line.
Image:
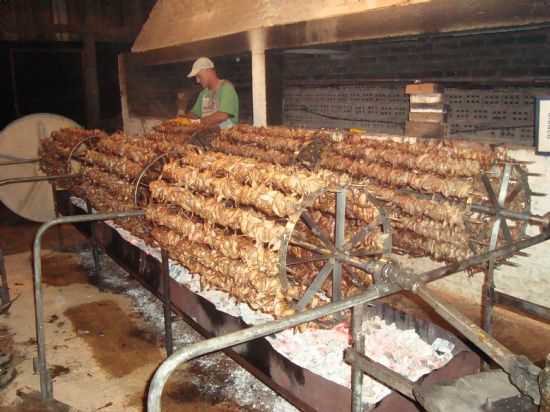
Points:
x=118 y=344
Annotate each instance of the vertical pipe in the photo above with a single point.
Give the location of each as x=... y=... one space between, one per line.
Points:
x=4 y=289
x=339 y=237
x=358 y=342
x=168 y=340
x=56 y=211
x=46 y=386
x=544 y=383
x=259 y=100
x=488 y=297
x=95 y=251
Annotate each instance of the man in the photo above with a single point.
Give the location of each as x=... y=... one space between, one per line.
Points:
x=218 y=102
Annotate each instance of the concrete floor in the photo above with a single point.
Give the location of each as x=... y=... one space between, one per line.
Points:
x=102 y=351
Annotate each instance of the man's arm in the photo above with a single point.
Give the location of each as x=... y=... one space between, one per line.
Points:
x=214 y=119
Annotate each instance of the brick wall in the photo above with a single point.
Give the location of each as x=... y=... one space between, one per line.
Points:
x=342 y=84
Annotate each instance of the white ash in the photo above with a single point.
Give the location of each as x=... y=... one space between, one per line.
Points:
x=402 y=351
x=240 y=386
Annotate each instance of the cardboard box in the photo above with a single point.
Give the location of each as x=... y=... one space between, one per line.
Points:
x=425 y=129
x=422 y=88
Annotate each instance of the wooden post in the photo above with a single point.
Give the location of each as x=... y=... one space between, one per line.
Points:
x=89 y=67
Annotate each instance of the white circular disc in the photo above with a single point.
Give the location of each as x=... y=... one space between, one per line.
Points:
x=20 y=140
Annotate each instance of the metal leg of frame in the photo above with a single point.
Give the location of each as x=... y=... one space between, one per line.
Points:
x=339 y=238
x=168 y=339
x=57 y=214
x=4 y=289
x=544 y=382
x=358 y=344
x=95 y=249
x=46 y=385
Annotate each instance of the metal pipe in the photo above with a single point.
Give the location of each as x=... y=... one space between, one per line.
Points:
x=168 y=341
x=13 y=180
x=19 y=161
x=223 y=342
x=57 y=214
x=46 y=388
x=503 y=252
x=524 y=306
x=379 y=290
x=339 y=241
x=523 y=374
x=509 y=214
x=95 y=250
x=4 y=288
x=380 y=373
x=358 y=342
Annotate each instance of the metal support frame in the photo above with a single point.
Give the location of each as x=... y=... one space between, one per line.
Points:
x=95 y=248
x=17 y=161
x=57 y=214
x=529 y=308
x=46 y=387
x=4 y=287
x=166 y=301
x=334 y=251
x=394 y=280
x=488 y=295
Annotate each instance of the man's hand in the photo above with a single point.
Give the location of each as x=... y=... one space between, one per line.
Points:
x=214 y=119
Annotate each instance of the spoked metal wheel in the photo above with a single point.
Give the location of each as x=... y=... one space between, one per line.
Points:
x=331 y=236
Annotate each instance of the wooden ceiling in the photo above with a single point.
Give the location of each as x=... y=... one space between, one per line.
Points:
x=66 y=20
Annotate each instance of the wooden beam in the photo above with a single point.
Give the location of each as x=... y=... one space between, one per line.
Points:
x=89 y=69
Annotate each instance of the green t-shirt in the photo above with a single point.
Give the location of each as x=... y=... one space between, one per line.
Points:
x=225 y=100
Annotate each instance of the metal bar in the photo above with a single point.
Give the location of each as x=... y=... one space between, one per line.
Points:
x=503 y=252
x=509 y=214
x=95 y=249
x=165 y=266
x=339 y=237
x=487 y=298
x=380 y=373
x=358 y=343
x=46 y=388
x=4 y=288
x=374 y=266
x=295 y=261
x=523 y=374
x=530 y=308
x=19 y=161
x=316 y=230
x=315 y=285
x=232 y=339
x=14 y=180
x=544 y=382
x=56 y=211
x=376 y=291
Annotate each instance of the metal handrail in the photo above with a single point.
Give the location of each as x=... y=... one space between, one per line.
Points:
x=46 y=388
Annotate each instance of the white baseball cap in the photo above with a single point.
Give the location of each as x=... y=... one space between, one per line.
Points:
x=201 y=63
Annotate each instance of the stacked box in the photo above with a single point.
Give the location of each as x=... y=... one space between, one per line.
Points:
x=428 y=112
